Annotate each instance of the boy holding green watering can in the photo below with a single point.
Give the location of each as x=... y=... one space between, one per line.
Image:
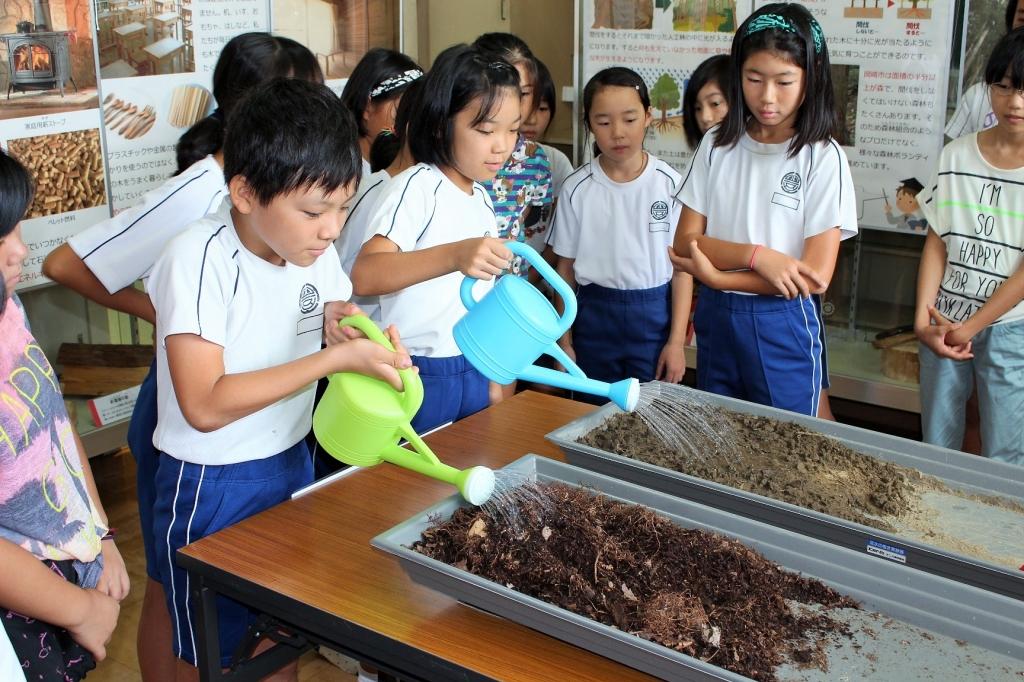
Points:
x=241 y=298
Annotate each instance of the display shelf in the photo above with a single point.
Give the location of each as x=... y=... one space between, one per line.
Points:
x=96 y=439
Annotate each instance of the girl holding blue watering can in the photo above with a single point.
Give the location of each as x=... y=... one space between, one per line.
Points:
x=613 y=225
x=435 y=223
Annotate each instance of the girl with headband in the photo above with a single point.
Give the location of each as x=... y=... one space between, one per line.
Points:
x=766 y=201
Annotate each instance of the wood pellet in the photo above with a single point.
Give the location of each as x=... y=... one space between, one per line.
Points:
x=67 y=168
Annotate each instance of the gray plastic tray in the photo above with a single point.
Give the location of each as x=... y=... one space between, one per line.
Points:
x=929 y=627
x=969 y=473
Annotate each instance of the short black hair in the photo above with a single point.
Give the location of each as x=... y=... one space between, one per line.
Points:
x=545 y=90
x=376 y=66
x=711 y=70
x=1011 y=12
x=804 y=46
x=614 y=76
x=245 y=61
x=460 y=75
x=16 y=191
x=513 y=50
x=288 y=134
x=1007 y=59
x=389 y=143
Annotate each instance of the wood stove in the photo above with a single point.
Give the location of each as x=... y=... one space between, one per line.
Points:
x=38 y=61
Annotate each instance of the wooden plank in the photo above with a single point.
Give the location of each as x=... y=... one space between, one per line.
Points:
x=105 y=355
x=90 y=382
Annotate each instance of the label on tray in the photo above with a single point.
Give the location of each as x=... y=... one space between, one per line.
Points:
x=890 y=552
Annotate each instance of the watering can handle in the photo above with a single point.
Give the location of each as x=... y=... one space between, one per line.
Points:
x=411 y=386
x=545 y=270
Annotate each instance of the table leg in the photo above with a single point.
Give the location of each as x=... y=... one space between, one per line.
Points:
x=204 y=600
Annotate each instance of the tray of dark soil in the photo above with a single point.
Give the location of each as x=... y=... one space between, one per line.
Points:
x=684 y=591
x=936 y=510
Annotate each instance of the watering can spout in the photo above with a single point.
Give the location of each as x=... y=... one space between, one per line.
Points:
x=625 y=393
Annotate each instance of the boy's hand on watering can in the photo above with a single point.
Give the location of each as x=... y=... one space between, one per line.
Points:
x=334 y=312
x=483 y=258
x=374 y=360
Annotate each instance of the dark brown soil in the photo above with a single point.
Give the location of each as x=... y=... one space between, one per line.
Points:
x=624 y=566
x=774 y=458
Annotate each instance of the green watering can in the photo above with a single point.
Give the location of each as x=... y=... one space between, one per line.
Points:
x=360 y=420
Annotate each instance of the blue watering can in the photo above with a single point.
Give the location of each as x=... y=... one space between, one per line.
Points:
x=504 y=332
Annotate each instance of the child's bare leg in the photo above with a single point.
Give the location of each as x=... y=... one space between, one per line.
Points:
x=157 y=662
x=290 y=673
x=824 y=407
x=972 y=423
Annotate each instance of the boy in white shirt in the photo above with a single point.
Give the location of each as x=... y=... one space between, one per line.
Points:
x=241 y=298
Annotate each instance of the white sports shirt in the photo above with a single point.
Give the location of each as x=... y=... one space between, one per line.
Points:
x=561 y=168
x=418 y=209
x=358 y=230
x=124 y=248
x=754 y=193
x=618 y=232
x=208 y=284
x=973 y=113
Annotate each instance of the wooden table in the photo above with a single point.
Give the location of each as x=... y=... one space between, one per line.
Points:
x=165 y=25
x=308 y=563
x=128 y=38
x=165 y=52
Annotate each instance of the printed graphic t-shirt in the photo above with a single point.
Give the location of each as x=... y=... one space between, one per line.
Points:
x=44 y=505
x=521 y=195
x=976 y=209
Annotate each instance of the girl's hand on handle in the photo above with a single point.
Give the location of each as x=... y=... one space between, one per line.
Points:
x=789 y=276
x=671 y=363
x=114 y=579
x=482 y=257
x=334 y=312
x=96 y=625
x=374 y=360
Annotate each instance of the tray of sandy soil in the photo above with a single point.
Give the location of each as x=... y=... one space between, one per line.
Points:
x=940 y=511
x=681 y=590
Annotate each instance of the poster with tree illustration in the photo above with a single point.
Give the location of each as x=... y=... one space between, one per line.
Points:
x=681 y=35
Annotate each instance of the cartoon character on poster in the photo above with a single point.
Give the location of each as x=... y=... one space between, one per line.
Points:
x=910 y=210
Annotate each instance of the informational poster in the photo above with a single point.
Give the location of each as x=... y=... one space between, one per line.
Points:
x=49 y=120
x=156 y=79
x=98 y=95
x=663 y=41
x=890 y=61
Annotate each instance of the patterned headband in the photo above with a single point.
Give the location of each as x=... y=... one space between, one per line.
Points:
x=780 y=23
x=395 y=82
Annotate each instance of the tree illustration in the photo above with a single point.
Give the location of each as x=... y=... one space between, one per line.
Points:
x=665 y=96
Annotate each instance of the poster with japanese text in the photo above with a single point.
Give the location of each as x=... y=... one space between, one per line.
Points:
x=50 y=122
x=156 y=69
x=890 y=62
x=663 y=41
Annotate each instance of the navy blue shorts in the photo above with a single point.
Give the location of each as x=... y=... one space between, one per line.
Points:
x=147 y=459
x=452 y=389
x=193 y=501
x=764 y=349
x=620 y=333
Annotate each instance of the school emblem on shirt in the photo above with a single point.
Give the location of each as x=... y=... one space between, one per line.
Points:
x=659 y=210
x=791 y=182
x=309 y=298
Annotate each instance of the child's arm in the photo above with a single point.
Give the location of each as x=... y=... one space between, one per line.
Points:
x=210 y=398
x=381 y=268
x=65 y=267
x=672 y=361
x=567 y=272
x=114 y=580
x=1007 y=295
x=929 y=276
x=33 y=590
